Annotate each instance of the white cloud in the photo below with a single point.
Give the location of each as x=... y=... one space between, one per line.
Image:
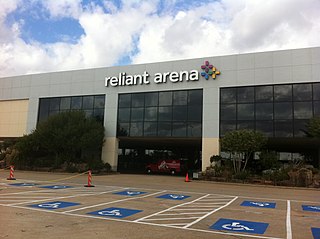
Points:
x=140 y=31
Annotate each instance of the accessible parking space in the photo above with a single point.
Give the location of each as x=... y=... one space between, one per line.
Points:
x=188 y=211
x=306 y=219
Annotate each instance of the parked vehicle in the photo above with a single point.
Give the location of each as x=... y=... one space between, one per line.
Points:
x=172 y=166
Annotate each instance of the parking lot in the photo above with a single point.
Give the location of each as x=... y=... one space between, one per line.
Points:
x=53 y=205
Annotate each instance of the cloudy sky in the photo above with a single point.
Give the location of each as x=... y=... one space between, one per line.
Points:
x=54 y=35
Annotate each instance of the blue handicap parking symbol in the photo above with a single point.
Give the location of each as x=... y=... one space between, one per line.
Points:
x=315 y=232
x=258 y=204
x=311 y=208
x=129 y=193
x=56 y=186
x=23 y=184
x=240 y=226
x=115 y=212
x=173 y=196
x=54 y=205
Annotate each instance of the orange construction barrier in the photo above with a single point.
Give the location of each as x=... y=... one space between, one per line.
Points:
x=89 y=180
x=11 y=177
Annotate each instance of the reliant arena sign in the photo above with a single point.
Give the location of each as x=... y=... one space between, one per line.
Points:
x=124 y=79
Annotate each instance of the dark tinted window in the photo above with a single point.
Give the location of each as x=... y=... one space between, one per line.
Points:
x=137 y=100
x=264 y=93
x=125 y=100
x=99 y=101
x=179 y=113
x=283 y=92
x=228 y=95
x=264 y=111
x=194 y=113
x=179 y=129
x=300 y=128
x=87 y=102
x=316 y=91
x=76 y=103
x=195 y=97
x=283 y=110
x=65 y=103
x=245 y=95
x=54 y=104
x=165 y=113
x=266 y=127
x=165 y=98
x=124 y=115
x=302 y=110
x=137 y=114
x=151 y=114
x=283 y=128
x=245 y=111
x=151 y=99
x=302 y=92
x=180 y=98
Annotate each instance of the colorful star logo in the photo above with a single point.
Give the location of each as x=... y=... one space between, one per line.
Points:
x=209 y=70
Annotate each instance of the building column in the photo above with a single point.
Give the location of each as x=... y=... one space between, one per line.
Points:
x=110 y=152
x=210 y=147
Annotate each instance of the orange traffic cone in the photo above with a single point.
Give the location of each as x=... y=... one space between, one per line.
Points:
x=11 y=177
x=187 y=178
x=89 y=180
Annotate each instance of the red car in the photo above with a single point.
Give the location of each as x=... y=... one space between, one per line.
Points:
x=172 y=166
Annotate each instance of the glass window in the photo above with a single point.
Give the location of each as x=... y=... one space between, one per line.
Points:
x=87 y=102
x=228 y=95
x=264 y=93
x=124 y=100
x=136 y=129
x=283 y=110
x=99 y=101
x=180 y=97
x=316 y=108
x=245 y=111
x=316 y=91
x=137 y=100
x=265 y=127
x=151 y=114
x=245 y=95
x=54 y=104
x=44 y=105
x=165 y=98
x=226 y=126
x=228 y=112
x=283 y=92
x=150 y=129
x=300 y=128
x=98 y=114
x=194 y=129
x=76 y=103
x=302 y=92
x=194 y=113
x=164 y=129
x=264 y=111
x=123 y=129
x=124 y=115
x=195 y=97
x=136 y=114
x=179 y=113
x=165 y=113
x=245 y=124
x=65 y=103
x=151 y=99
x=283 y=128
x=179 y=129
x=302 y=110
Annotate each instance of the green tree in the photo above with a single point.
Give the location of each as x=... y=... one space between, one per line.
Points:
x=68 y=137
x=241 y=144
x=313 y=127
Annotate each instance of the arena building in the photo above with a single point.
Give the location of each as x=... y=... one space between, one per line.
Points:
x=177 y=109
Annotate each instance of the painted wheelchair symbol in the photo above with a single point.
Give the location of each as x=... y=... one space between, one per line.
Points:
x=50 y=205
x=174 y=196
x=260 y=204
x=236 y=226
x=114 y=212
x=132 y=193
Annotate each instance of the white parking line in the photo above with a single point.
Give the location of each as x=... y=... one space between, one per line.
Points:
x=288 y=223
x=64 y=197
x=121 y=200
x=208 y=214
x=168 y=209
